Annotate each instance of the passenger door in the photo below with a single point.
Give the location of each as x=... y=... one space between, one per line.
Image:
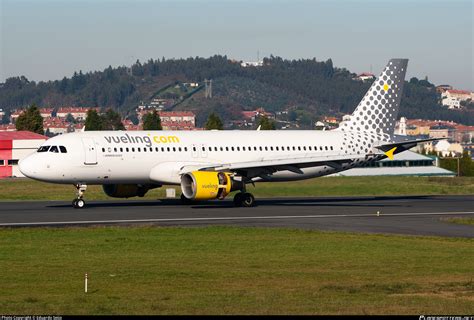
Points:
x=90 y=151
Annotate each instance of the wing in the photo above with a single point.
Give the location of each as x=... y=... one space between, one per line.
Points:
x=267 y=166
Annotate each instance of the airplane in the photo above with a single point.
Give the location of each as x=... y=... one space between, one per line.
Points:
x=211 y=164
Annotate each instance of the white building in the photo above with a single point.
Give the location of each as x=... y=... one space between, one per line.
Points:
x=78 y=113
x=401 y=127
x=452 y=98
x=365 y=76
x=14 y=146
x=246 y=64
x=445 y=148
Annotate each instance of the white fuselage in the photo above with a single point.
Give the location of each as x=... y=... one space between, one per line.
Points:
x=109 y=157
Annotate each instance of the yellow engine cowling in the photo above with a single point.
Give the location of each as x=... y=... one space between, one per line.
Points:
x=207 y=185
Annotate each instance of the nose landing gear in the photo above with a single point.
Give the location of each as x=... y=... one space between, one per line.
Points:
x=79 y=202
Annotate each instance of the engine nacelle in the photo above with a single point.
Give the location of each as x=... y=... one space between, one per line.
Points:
x=207 y=185
x=127 y=190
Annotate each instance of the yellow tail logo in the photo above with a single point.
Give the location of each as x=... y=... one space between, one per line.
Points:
x=390 y=152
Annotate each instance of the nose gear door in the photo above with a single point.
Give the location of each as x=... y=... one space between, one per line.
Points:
x=90 y=151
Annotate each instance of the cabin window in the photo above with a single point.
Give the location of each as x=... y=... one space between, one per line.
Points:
x=126 y=149
x=304 y=148
x=144 y=149
x=266 y=148
x=174 y=149
x=309 y=148
x=133 y=149
x=138 y=149
x=185 y=148
x=261 y=149
x=179 y=149
x=194 y=148
x=332 y=148
x=294 y=148
x=238 y=148
x=43 y=149
x=254 y=148
x=243 y=148
x=321 y=148
x=276 y=148
x=326 y=147
x=103 y=150
x=121 y=149
x=157 y=149
x=203 y=149
x=54 y=149
x=151 y=149
x=222 y=149
x=168 y=149
x=215 y=148
x=2 y=162
x=226 y=148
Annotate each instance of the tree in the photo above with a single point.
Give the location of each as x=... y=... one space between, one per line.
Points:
x=30 y=120
x=93 y=122
x=112 y=120
x=214 y=122
x=152 y=121
x=266 y=124
x=70 y=118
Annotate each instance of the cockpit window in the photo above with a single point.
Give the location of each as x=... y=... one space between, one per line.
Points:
x=43 y=149
x=63 y=149
x=54 y=149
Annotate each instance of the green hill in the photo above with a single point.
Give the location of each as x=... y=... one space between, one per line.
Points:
x=312 y=88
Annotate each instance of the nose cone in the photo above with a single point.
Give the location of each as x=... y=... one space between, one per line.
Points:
x=27 y=167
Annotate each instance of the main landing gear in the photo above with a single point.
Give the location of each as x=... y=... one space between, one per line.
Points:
x=79 y=202
x=244 y=199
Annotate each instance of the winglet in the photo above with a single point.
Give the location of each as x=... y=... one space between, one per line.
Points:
x=390 y=152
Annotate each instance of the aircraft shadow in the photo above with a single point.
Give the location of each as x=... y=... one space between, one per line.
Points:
x=377 y=201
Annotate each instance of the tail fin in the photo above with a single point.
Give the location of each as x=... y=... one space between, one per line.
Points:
x=378 y=110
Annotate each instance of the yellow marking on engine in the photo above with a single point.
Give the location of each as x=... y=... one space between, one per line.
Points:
x=390 y=152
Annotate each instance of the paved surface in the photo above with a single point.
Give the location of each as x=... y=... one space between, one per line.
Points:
x=415 y=215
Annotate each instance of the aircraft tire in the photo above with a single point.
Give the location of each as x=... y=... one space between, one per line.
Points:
x=238 y=199
x=248 y=200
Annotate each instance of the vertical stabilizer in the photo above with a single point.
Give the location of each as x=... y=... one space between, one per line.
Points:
x=378 y=110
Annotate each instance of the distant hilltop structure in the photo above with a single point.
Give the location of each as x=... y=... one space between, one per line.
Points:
x=452 y=98
x=364 y=76
x=246 y=64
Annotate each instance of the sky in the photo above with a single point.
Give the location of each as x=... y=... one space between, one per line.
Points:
x=50 y=39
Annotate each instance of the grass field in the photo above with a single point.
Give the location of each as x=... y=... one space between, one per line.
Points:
x=230 y=270
x=459 y=220
x=26 y=189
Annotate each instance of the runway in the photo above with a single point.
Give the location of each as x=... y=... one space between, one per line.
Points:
x=413 y=215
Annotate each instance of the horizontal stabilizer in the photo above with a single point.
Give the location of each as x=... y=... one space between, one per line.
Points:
x=392 y=148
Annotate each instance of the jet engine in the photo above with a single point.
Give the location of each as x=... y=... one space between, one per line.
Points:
x=207 y=185
x=127 y=190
